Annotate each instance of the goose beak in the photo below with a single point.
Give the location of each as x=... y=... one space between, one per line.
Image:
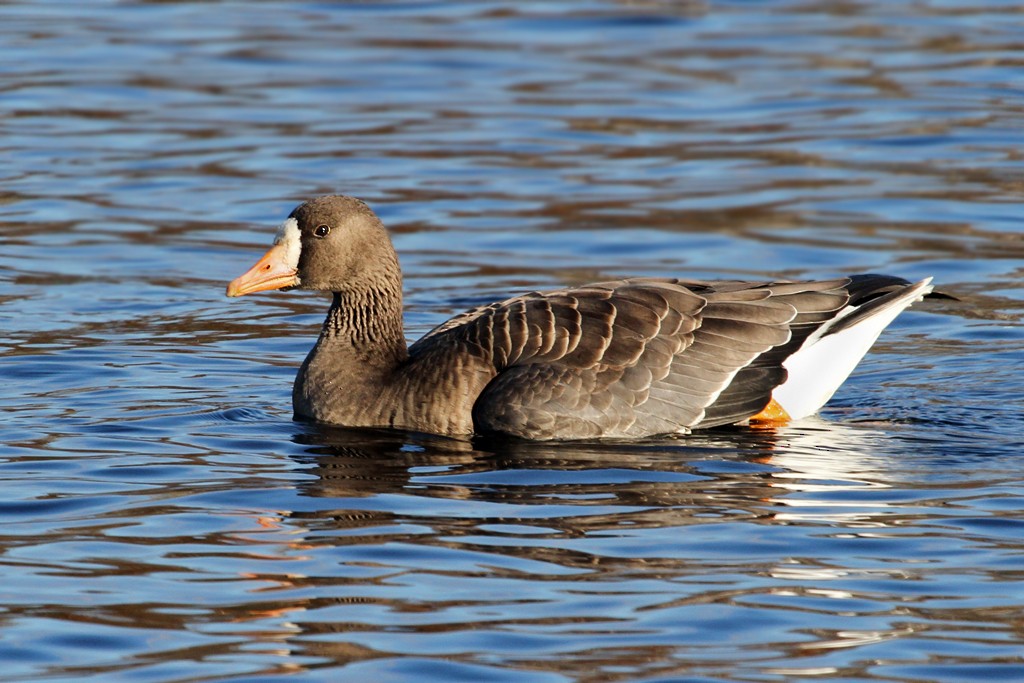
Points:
x=273 y=271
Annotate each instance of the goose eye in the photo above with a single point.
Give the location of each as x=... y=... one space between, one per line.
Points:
x=322 y=230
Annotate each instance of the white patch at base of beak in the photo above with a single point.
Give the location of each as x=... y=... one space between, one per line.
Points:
x=288 y=237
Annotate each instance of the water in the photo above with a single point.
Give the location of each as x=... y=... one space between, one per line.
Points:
x=163 y=519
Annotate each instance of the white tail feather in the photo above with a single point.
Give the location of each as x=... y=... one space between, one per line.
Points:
x=824 y=361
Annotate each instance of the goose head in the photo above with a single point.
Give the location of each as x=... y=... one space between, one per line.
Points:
x=331 y=243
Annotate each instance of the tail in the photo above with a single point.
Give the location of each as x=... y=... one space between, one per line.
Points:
x=830 y=353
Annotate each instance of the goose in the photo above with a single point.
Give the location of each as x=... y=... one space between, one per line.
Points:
x=624 y=359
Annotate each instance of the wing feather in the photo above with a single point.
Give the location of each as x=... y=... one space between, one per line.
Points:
x=637 y=357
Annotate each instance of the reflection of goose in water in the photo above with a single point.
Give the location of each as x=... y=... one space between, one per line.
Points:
x=626 y=359
x=832 y=472
x=812 y=470
x=816 y=450
x=739 y=464
x=391 y=505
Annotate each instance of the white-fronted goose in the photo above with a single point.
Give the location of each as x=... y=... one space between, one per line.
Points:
x=629 y=358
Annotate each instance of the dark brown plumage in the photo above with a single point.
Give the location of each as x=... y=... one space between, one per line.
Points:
x=628 y=358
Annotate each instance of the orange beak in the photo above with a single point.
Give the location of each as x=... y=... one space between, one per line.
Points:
x=270 y=272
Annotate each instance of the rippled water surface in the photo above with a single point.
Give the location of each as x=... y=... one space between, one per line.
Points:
x=163 y=519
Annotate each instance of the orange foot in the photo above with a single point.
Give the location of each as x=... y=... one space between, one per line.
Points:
x=772 y=414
